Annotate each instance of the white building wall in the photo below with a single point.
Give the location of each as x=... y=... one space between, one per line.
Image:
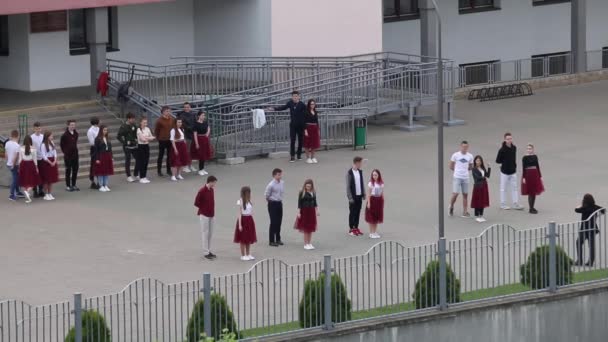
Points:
x=14 y=68
x=597 y=24
x=326 y=27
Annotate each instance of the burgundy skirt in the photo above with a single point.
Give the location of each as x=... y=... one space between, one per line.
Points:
x=481 y=196
x=28 y=174
x=247 y=235
x=307 y=223
x=204 y=151
x=533 y=185
x=183 y=158
x=48 y=174
x=105 y=166
x=313 y=140
x=375 y=213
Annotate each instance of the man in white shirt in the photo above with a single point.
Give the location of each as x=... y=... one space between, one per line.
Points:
x=11 y=149
x=91 y=135
x=37 y=142
x=461 y=163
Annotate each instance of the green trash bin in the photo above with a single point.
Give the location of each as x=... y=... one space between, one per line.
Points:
x=360 y=133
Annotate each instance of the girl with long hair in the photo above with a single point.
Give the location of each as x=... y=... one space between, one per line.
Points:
x=104 y=162
x=179 y=156
x=312 y=134
x=48 y=168
x=531 y=180
x=200 y=149
x=244 y=232
x=588 y=229
x=308 y=210
x=374 y=210
x=144 y=137
x=28 y=169
x=481 y=195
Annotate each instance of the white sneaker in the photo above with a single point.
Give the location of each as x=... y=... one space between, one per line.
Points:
x=309 y=161
x=137 y=178
x=375 y=236
x=108 y=189
x=28 y=199
x=180 y=177
x=205 y=172
x=186 y=169
x=314 y=160
x=251 y=257
x=102 y=189
x=193 y=168
x=245 y=258
x=504 y=207
x=51 y=197
x=479 y=219
x=483 y=219
x=517 y=207
x=130 y=179
x=47 y=198
x=173 y=179
x=144 y=181
x=310 y=246
x=307 y=247
x=202 y=173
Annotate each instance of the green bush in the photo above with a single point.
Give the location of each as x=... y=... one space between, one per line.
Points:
x=311 y=311
x=94 y=328
x=225 y=336
x=426 y=292
x=222 y=319
x=535 y=272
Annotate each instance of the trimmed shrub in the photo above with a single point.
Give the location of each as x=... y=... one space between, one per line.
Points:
x=311 y=311
x=426 y=292
x=222 y=319
x=535 y=272
x=94 y=328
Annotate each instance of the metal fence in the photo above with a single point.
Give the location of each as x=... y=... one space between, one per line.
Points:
x=275 y=297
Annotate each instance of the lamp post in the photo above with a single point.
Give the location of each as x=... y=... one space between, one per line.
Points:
x=440 y=162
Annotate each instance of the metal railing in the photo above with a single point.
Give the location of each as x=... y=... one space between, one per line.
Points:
x=274 y=297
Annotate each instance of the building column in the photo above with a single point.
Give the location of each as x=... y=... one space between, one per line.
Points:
x=578 y=35
x=97 y=38
x=428 y=28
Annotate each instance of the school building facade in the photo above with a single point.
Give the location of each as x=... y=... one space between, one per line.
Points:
x=64 y=43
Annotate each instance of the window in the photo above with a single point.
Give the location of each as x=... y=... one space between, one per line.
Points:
x=605 y=58
x=547 y=2
x=551 y=64
x=48 y=21
x=478 y=73
x=78 y=31
x=396 y=10
x=3 y=35
x=472 y=6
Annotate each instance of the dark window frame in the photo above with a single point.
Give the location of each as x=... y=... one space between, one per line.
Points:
x=4 y=36
x=401 y=16
x=548 y=2
x=605 y=57
x=111 y=46
x=483 y=64
x=554 y=67
x=477 y=8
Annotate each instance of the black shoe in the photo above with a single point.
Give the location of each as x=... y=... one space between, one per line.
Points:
x=451 y=211
x=274 y=244
x=20 y=195
x=75 y=188
x=292 y=160
x=213 y=255
x=589 y=264
x=69 y=189
x=209 y=256
x=578 y=263
x=299 y=157
x=533 y=211
x=280 y=243
x=94 y=186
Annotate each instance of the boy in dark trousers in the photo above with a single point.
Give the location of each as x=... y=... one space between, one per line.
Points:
x=355 y=192
x=507 y=158
x=127 y=135
x=69 y=147
x=297 y=113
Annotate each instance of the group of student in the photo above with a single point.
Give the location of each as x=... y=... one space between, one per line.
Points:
x=307 y=212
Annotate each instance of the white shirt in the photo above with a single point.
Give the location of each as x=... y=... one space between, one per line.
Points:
x=462 y=162
x=376 y=189
x=247 y=211
x=142 y=135
x=12 y=150
x=92 y=134
x=172 y=135
x=50 y=153
x=37 y=141
x=33 y=155
x=357 y=178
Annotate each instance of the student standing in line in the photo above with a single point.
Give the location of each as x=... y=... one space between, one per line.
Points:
x=205 y=202
x=461 y=163
x=481 y=193
x=92 y=134
x=162 y=131
x=12 y=162
x=127 y=135
x=244 y=232
x=28 y=169
x=144 y=137
x=188 y=118
x=297 y=111
x=179 y=151
x=374 y=211
x=104 y=162
x=308 y=210
x=200 y=148
x=312 y=133
x=48 y=168
x=507 y=158
x=274 y=197
x=355 y=192
x=588 y=228
x=531 y=178
x=37 y=141
x=69 y=147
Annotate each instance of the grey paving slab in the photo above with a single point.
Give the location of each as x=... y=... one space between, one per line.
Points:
x=98 y=242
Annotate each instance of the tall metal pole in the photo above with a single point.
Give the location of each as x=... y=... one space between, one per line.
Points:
x=440 y=161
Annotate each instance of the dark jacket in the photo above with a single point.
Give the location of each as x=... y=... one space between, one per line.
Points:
x=127 y=135
x=350 y=185
x=588 y=220
x=530 y=161
x=507 y=158
x=205 y=201
x=297 y=111
x=188 y=120
x=478 y=178
x=307 y=201
x=69 y=145
x=100 y=148
x=311 y=118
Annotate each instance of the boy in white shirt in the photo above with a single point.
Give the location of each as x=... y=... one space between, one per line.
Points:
x=461 y=163
x=11 y=149
x=37 y=142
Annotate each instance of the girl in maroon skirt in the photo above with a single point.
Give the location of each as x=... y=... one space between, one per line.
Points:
x=312 y=134
x=48 y=168
x=481 y=195
x=200 y=149
x=28 y=169
x=179 y=151
x=104 y=162
x=374 y=210
x=531 y=180
x=306 y=221
x=244 y=232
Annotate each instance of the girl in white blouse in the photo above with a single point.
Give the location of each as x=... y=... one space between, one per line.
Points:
x=28 y=169
x=244 y=232
x=179 y=154
x=48 y=168
x=144 y=137
x=374 y=211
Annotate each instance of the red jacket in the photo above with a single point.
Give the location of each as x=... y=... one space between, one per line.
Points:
x=205 y=202
x=102 y=83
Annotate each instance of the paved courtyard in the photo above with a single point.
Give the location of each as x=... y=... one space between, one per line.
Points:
x=97 y=243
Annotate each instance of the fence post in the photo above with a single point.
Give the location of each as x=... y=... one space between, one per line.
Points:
x=328 y=324
x=443 y=293
x=207 y=303
x=552 y=258
x=78 y=316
